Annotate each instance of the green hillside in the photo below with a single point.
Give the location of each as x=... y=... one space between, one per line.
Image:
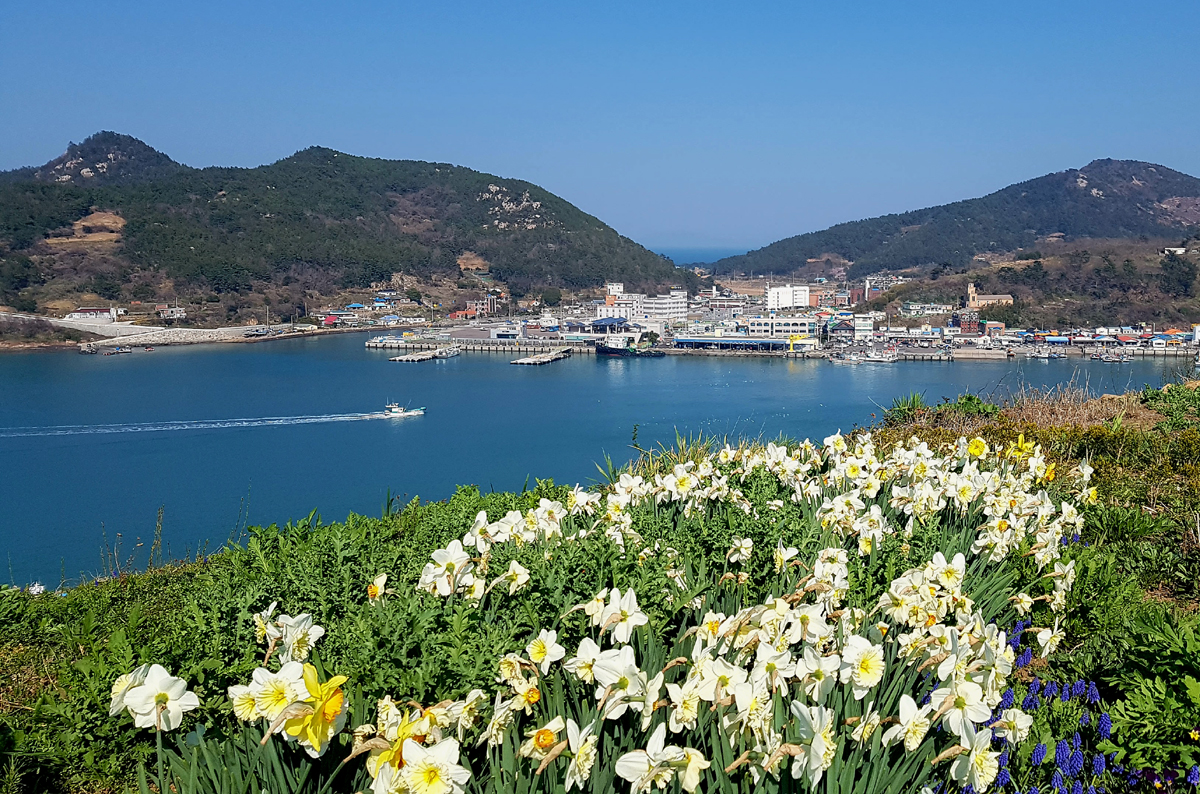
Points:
x=1111 y=199
x=355 y=219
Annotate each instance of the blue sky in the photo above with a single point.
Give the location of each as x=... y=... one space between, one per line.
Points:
x=683 y=125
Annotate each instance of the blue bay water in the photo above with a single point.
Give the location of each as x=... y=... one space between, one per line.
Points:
x=92 y=446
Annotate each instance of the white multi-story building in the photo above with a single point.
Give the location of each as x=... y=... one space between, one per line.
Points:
x=787 y=297
x=864 y=326
x=773 y=327
x=672 y=307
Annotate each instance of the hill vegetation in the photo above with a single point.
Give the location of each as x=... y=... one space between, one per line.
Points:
x=319 y=219
x=1069 y=285
x=1110 y=199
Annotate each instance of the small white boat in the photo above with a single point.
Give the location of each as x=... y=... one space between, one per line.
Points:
x=448 y=352
x=394 y=409
x=885 y=357
x=852 y=358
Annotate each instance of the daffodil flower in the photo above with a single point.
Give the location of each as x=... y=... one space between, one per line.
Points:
x=245 y=708
x=623 y=615
x=740 y=550
x=517 y=576
x=581 y=664
x=122 y=685
x=433 y=770
x=1049 y=639
x=582 y=746
x=544 y=650
x=327 y=716
x=160 y=701
x=979 y=765
x=274 y=692
x=912 y=726
x=539 y=741
x=862 y=665
x=654 y=766
x=300 y=634
x=376 y=589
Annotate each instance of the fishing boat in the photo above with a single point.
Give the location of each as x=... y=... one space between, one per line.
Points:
x=627 y=345
x=886 y=357
x=1040 y=355
x=394 y=410
x=448 y=352
x=843 y=358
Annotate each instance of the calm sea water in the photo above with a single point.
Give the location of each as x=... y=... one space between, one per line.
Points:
x=92 y=446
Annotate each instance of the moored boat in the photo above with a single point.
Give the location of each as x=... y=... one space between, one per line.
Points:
x=627 y=345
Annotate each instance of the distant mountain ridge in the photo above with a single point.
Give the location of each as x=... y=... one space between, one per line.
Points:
x=1104 y=199
x=356 y=219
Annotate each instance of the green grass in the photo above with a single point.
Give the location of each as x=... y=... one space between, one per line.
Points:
x=1133 y=630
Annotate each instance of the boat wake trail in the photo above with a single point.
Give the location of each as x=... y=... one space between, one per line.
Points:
x=165 y=427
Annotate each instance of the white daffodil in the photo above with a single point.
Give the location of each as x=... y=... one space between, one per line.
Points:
x=465 y=713
x=740 y=550
x=273 y=692
x=623 y=615
x=620 y=684
x=300 y=634
x=516 y=577
x=245 y=708
x=594 y=608
x=818 y=674
x=477 y=536
x=376 y=589
x=581 y=663
x=122 y=685
x=160 y=701
x=582 y=745
x=448 y=569
x=433 y=770
x=862 y=665
x=719 y=679
x=1022 y=602
x=913 y=725
x=866 y=726
x=265 y=629
x=979 y=765
x=1050 y=638
x=654 y=766
x=967 y=706
x=1013 y=725
x=815 y=728
x=539 y=741
x=498 y=724
x=544 y=650
x=782 y=554
x=694 y=763
x=685 y=706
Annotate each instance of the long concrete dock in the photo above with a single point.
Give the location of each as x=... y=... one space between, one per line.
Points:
x=509 y=346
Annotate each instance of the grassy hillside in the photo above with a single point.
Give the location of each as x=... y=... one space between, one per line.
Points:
x=1119 y=686
x=319 y=218
x=1087 y=283
x=1123 y=199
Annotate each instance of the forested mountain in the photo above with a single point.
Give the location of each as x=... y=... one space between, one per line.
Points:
x=1112 y=199
x=354 y=219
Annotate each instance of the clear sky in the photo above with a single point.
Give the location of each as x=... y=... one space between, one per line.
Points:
x=683 y=125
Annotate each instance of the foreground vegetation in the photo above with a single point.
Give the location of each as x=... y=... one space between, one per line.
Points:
x=968 y=597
